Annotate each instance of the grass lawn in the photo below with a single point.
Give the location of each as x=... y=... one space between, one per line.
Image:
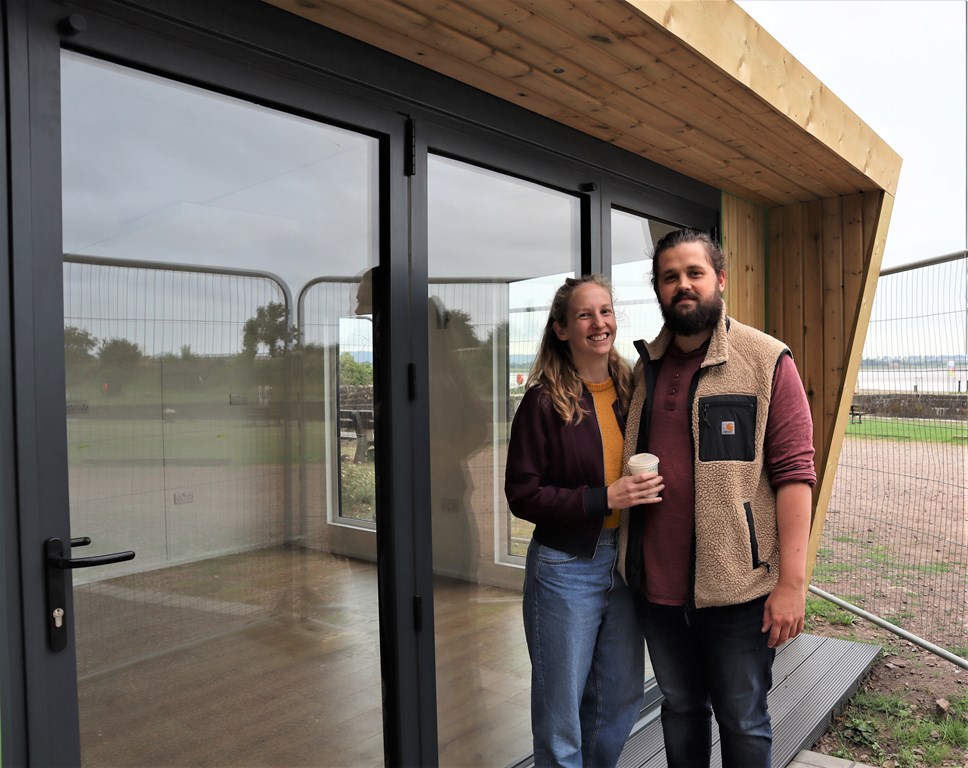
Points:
x=914 y=430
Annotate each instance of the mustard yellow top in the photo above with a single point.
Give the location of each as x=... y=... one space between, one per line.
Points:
x=604 y=396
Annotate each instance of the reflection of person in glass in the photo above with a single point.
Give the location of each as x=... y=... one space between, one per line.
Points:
x=458 y=429
x=564 y=474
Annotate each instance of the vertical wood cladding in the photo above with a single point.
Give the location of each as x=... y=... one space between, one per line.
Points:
x=806 y=273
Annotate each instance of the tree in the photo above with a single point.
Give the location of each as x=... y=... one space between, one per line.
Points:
x=353 y=372
x=119 y=360
x=119 y=353
x=269 y=329
x=78 y=355
x=78 y=346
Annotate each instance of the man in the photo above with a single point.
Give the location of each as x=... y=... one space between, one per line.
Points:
x=719 y=564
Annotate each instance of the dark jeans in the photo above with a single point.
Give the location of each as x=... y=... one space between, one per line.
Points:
x=712 y=660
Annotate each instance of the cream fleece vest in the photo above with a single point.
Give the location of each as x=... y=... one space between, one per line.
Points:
x=736 y=540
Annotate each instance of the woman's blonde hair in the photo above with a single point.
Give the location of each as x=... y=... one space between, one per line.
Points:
x=553 y=367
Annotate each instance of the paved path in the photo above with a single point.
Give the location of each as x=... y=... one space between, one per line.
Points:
x=807 y=759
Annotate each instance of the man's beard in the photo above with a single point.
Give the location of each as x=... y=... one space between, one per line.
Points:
x=704 y=316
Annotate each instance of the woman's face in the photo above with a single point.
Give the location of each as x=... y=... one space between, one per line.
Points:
x=590 y=325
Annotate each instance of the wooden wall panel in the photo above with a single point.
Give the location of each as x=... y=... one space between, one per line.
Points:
x=812 y=314
x=823 y=264
x=791 y=256
x=834 y=323
x=852 y=214
x=774 y=272
x=744 y=242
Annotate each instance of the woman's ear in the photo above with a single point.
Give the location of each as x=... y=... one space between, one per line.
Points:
x=560 y=332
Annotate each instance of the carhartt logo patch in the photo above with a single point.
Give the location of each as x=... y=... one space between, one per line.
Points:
x=727 y=427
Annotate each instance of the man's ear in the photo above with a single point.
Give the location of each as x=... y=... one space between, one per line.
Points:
x=722 y=280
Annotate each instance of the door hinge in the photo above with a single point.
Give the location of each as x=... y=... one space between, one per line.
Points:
x=418 y=613
x=412 y=381
x=409 y=148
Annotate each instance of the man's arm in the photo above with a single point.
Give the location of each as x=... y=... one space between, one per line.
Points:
x=789 y=461
x=784 y=609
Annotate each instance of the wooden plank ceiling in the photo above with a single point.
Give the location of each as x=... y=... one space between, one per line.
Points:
x=694 y=85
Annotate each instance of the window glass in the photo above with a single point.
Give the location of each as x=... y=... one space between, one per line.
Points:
x=633 y=239
x=205 y=426
x=498 y=249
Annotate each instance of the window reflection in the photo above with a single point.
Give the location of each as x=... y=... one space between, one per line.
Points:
x=633 y=238
x=204 y=413
x=498 y=248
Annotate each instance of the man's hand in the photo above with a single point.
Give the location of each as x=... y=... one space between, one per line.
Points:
x=783 y=614
x=784 y=609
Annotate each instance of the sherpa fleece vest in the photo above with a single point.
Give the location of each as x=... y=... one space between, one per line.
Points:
x=736 y=540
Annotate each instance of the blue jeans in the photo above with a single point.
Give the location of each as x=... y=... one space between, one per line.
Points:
x=712 y=660
x=586 y=656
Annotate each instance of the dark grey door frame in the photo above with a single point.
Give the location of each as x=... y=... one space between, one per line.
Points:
x=39 y=477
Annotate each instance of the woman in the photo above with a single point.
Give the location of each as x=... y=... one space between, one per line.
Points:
x=564 y=474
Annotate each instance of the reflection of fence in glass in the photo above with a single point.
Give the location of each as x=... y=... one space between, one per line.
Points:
x=176 y=441
x=173 y=433
x=336 y=406
x=896 y=537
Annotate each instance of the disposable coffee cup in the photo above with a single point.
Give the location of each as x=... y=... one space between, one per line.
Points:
x=643 y=462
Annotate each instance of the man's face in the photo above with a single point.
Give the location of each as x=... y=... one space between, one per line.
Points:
x=689 y=289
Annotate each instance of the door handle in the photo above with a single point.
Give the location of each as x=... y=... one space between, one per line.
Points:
x=56 y=563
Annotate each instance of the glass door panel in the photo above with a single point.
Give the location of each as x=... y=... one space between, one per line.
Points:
x=637 y=310
x=633 y=238
x=498 y=249
x=205 y=430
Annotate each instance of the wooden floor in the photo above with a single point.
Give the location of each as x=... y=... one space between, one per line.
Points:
x=271 y=658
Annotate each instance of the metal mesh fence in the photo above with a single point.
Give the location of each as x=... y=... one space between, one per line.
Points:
x=896 y=536
x=160 y=396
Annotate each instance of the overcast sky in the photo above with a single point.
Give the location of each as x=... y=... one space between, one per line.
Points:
x=900 y=66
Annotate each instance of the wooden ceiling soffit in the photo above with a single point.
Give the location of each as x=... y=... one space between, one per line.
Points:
x=730 y=40
x=655 y=78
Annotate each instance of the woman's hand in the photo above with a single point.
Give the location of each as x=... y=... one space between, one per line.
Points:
x=630 y=490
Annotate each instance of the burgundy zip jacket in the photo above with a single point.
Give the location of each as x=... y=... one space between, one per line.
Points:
x=555 y=475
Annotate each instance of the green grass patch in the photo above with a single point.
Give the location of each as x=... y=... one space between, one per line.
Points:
x=887 y=726
x=818 y=608
x=823 y=572
x=912 y=430
x=358 y=486
x=931 y=568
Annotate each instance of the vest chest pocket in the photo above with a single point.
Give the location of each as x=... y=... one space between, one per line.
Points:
x=727 y=428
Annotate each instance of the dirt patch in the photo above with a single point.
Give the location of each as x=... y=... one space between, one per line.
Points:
x=895 y=538
x=895 y=543
x=902 y=670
